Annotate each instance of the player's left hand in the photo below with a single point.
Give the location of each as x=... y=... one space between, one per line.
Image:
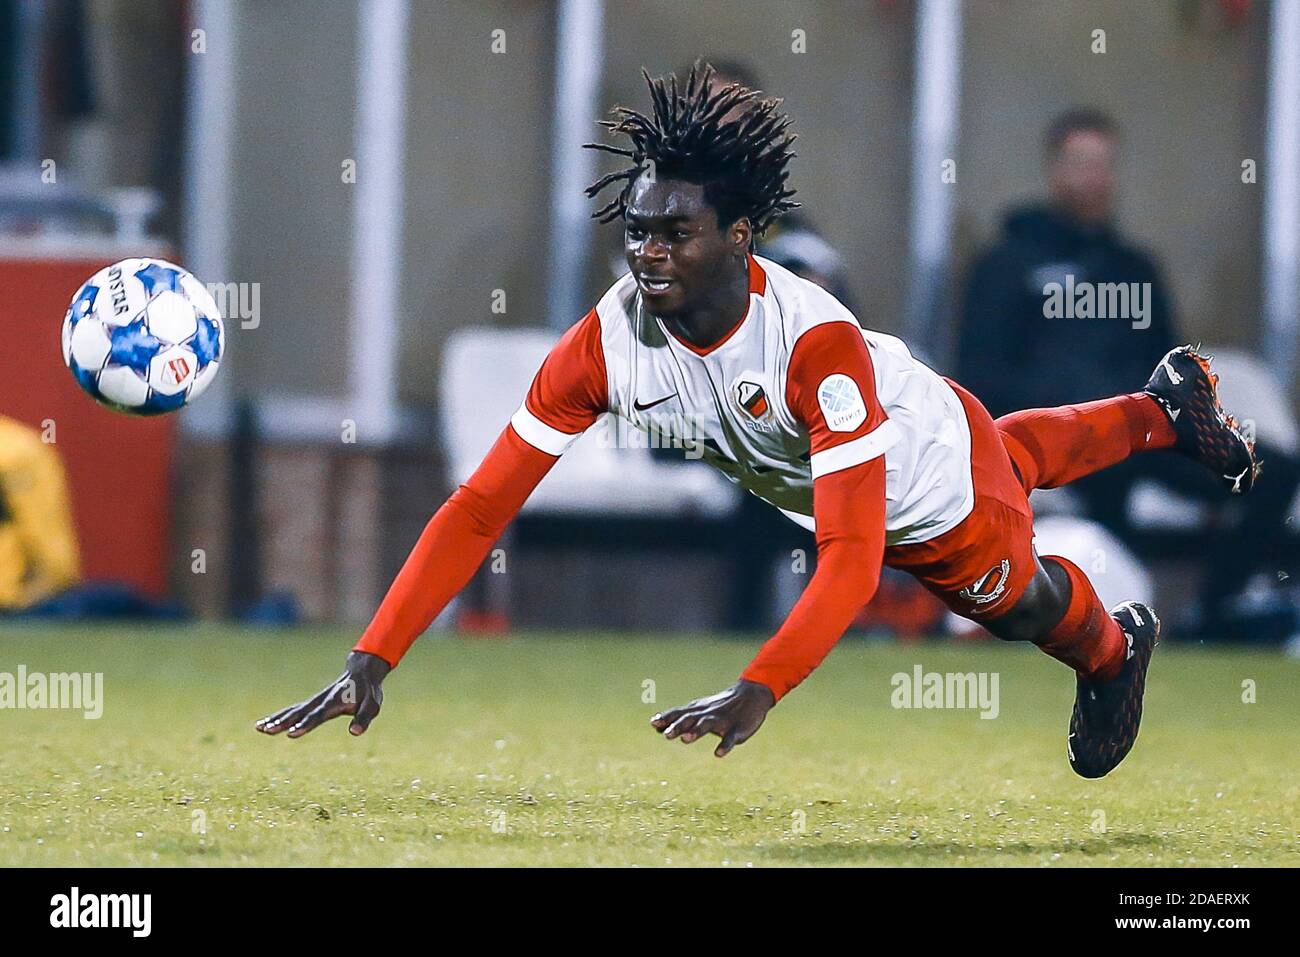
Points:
x=356 y=692
x=733 y=715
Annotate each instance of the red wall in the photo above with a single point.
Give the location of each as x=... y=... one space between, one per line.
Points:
x=118 y=465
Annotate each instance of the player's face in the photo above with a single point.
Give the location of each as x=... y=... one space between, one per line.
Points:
x=1082 y=175
x=675 y=248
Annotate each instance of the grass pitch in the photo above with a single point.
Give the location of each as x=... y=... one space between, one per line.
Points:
x=536 y=750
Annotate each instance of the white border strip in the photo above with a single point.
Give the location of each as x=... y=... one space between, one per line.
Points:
x=579 y=56
x=936 y=106
x=862 y=449
x=1281 y=175
x=540 y=435
x=210 y=101
x=377 y=233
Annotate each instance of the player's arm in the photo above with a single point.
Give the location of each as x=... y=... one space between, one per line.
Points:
x=568 y=394
x=832 y=392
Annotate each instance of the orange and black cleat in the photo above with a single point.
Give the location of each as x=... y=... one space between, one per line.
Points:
x=1188 y=392
x=1106 y=717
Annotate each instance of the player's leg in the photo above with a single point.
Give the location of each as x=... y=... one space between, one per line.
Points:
x=1059 y=611
x=1053 y=447
x=985 y=569
x=1179 y=409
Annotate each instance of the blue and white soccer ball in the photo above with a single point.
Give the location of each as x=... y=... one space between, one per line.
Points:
x=143 y=336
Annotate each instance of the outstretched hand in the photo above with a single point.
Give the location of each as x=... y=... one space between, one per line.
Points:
x=356 y=692
x=733 y=715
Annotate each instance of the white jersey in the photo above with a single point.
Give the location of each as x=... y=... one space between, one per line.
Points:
x=733 y=400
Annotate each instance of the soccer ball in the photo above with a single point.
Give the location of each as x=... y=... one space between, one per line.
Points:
x=143 y=336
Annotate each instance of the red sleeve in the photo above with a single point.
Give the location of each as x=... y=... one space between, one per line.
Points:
x=567 y=395
x=569 y=392
x=831 y=390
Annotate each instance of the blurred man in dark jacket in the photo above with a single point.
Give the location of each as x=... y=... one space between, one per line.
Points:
x=1011 y=354
x=1038 y=330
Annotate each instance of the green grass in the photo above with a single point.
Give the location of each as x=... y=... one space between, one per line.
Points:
x=546 y=737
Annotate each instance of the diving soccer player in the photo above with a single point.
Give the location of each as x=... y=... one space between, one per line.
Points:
x=839 y=427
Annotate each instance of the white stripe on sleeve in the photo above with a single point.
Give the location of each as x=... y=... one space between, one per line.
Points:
x=540 y=435
x=862 y=449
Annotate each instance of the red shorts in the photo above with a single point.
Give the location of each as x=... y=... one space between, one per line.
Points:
x=980 y=568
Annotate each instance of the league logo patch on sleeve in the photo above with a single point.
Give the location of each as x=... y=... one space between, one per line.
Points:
x=841 y=403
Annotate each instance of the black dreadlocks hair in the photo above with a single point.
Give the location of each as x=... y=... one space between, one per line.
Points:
x=741 y=163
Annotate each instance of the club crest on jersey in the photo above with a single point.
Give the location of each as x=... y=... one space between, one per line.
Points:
x=989 y=586
x=752 y=399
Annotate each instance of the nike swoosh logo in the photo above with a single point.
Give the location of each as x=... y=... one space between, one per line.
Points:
x=650 y=405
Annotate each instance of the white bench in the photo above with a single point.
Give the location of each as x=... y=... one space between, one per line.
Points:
x=486 y=373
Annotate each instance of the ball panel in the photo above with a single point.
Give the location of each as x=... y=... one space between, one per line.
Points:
x=83 y=303
x=157 y=403
x=121 y=386
x=170 y=317
x=65 y=338
x=134 y=346
x=172 y=370
x=88 y=379
x=157 y=277
x=121 y=296
x=207 y=340
x=201 y=381
x=198 y=294
x=89 y=344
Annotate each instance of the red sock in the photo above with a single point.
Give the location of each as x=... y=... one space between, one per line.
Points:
x=1052 y=447
x=1087 y=638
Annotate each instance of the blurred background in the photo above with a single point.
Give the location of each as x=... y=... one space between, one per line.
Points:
x=386 y=199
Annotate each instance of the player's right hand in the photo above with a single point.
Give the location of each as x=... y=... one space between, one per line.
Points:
x=356 y=692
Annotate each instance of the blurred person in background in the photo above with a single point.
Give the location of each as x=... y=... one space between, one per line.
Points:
x=1015 y=355
x=38 y=545
x=1009 y=352
x=40 y=563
